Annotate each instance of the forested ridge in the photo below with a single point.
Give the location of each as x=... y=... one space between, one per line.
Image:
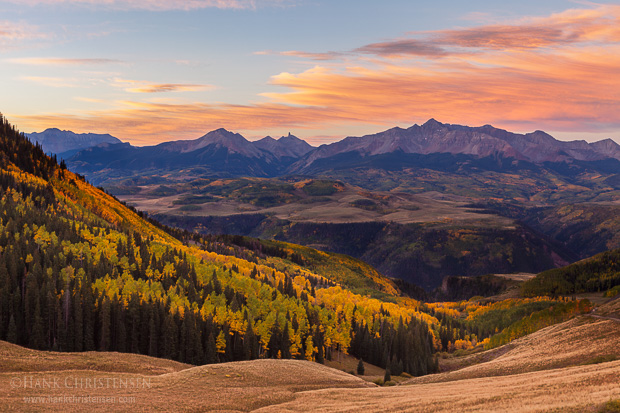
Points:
x=80 y=271
x=598 y=273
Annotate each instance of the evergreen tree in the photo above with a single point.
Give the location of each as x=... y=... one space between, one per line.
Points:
x=104 y=323
x=387 y=376
x=360 y=368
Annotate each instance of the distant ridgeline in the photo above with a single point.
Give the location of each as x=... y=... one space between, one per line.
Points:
x=80 y=271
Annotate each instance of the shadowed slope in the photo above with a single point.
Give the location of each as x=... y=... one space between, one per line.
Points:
x=237 y=386
x=531 y=375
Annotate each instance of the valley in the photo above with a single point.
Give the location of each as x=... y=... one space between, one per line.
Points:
x=309 y=206
x=254 y=286
x=419 y=204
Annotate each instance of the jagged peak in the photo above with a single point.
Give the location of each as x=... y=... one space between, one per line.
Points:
x=266 y=139
x=432 y=122
x=606 y=141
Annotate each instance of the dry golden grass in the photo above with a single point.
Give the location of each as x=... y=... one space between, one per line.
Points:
x=565 y=367
x=348 y=363
x=239 y=386
x=610 y=309
x=14 y=358
x=574 y=342
x=577 y=389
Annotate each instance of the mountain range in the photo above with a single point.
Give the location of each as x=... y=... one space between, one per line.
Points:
x=66 y=143
x=434 y=145
x=435 y=137
x=219 y=153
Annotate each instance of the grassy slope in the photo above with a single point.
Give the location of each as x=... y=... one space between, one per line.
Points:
x=580 y=340
x=563 y=367
x=565 y=376
x=237 y=386
x=576 y=389
x=14 y=358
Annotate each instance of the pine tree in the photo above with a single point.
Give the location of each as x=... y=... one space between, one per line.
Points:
x=249 y=343
x=37 y=339
x=387 y=376
x=104 y=322
x=153 y=331
x=211 y=350
x=78 y=323
x=360 y=368
x=171 y=338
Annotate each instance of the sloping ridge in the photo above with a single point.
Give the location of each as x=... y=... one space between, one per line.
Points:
x=235 y=386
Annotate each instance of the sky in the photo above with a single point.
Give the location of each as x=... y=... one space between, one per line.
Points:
x=160 y=70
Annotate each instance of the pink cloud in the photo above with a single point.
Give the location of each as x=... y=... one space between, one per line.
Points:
x=58 y=61
x=160 y=5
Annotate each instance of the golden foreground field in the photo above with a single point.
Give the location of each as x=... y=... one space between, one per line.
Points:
x=567 y=367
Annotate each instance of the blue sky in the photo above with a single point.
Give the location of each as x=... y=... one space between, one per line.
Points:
x=149 y=71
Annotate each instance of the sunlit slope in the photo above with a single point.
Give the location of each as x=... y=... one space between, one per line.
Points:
x=17 y=359
x=79 y=271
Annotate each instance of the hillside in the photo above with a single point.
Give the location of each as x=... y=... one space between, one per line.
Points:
x=417 y=238
x=569 y=366
x=237 y=386
x=572 y=366
x=598 y=273
x=79 y=271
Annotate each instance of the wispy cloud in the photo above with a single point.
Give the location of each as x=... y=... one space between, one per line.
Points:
x=160 y=5
x=409 y=47
x=149 y=123
x=50 y=81
x=59 y=61
x=304 y=55
x=569 y=27
x=139 y=86
x=14 y=33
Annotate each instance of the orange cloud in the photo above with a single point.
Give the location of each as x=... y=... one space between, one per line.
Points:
x=150 y=123
x=572 y=26
x=573 y=90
